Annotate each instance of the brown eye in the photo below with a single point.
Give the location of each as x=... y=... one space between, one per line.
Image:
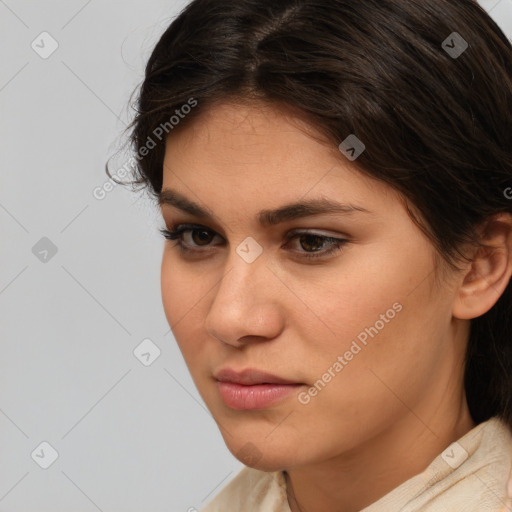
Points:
x=203 y=236
x=189 y=236
x=312 y=243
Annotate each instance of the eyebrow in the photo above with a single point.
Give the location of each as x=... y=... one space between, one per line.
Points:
x=305 y=208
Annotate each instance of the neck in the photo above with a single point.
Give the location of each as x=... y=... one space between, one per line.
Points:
x=352 y=481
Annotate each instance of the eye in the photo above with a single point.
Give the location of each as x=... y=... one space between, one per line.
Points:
x=190 y=237
x=198 y=236
x=314 y=242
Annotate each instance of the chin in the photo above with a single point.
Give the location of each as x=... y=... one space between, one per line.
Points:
x=268 y=464
x=268 y=459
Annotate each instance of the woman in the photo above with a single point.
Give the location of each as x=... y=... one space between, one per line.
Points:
x=335 y=179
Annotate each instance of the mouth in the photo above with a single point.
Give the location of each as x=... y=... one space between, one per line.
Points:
x=253 y=389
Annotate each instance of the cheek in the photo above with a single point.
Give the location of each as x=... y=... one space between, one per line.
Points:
x=384 y=323
x=383 y=306
x=354 y=306
x=181 y=286
x=389 y=356
x=184 y=296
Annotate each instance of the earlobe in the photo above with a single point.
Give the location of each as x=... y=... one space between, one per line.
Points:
x=488 y=274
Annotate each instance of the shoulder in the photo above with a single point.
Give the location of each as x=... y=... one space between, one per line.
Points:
x=251 y=490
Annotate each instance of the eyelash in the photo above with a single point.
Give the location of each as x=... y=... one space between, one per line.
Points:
x=176 y=233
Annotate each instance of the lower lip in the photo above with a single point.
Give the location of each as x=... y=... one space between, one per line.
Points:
x=257 y=396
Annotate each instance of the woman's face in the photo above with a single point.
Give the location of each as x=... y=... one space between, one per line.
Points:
x=364 y=332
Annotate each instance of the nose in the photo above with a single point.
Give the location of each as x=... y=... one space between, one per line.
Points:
x=246 y=306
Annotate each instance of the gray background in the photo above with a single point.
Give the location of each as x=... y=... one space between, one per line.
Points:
x=131 y=434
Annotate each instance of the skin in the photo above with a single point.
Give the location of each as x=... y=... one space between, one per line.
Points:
x=400 y=401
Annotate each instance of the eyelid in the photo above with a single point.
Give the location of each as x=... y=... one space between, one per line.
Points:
x=186 y=226
x=315 y=231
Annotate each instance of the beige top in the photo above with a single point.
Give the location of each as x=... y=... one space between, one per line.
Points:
x=474 y=474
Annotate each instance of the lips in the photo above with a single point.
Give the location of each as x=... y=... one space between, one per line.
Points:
x=252 y=389
x=249 y=377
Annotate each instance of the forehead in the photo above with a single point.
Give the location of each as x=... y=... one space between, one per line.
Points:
x=236 y=154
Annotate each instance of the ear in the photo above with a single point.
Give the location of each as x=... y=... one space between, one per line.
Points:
x=489 y=272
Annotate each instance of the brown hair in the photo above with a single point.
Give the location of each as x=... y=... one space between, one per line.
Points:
x=437 y=125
